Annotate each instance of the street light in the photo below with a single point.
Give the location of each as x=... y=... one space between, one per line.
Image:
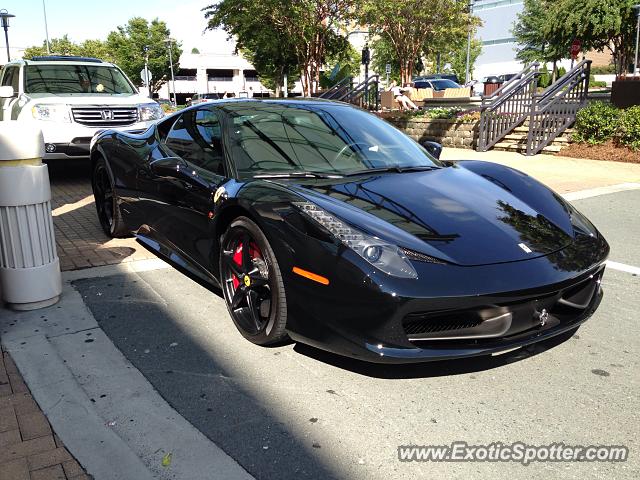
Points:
x=4 y=18
x=636 y=70
x=466 y=75
x=169 y=42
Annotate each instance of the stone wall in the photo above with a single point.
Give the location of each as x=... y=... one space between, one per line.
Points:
x=448 y=132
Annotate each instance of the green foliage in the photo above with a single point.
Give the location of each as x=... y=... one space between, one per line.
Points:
x=538 y=35
x=596 y=83
x=629 y=130
x=443 y=112
x=342 y=65
x=597 y=123
x=65 y=46
x=384 y=53
x=195 y=51
x=545 y=77
x=131 y=42
x=281 y=38
x=415 y=26
x=605 y=70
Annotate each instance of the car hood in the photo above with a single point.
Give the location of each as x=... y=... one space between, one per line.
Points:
x=450 y=213
x=89 y=99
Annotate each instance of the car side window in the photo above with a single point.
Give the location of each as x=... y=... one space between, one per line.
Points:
x=11 y=78
x=196 y=137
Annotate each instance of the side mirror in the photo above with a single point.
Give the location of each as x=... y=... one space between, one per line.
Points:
x=7 y=92
x=434 y=148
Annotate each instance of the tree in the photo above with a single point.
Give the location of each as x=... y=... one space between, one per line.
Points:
x=131 y=43
x=65 y=46
x=458 y=58
x=416 y=26
x=600 y=24
x=282 y=37
x=195 y=51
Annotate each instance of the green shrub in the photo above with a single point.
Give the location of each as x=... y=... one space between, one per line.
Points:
x=443 y=112
x=606 y=70
x=597 y=123
x=629 y=130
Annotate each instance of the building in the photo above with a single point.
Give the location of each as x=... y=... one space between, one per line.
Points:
x=499 y=47
x=214 y=73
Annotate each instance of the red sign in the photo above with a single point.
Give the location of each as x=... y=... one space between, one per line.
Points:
x=576 y=47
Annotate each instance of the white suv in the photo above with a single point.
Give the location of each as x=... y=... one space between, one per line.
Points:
x=72 y=98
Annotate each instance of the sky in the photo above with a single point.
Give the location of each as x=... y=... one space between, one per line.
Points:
x=94 y=19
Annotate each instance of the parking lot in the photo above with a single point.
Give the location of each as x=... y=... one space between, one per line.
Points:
x=296 y=412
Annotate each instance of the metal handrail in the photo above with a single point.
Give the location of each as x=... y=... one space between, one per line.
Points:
x=363 y=89
x=345 y=82
x=526 y=70
x=506 y=108
x=555 y=110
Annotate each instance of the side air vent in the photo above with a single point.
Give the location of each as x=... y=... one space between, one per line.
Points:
x=421 y=257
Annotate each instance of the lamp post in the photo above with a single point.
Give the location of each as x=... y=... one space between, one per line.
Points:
x=46 y=27
x=169 y=42
x=466 y=75
x=4 y=18
x=636 y=70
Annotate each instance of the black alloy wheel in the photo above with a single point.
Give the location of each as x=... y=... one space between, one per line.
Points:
x=252 y=283
x=107 y=202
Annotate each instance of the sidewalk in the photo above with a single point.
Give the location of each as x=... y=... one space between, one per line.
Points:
x=29 y=450
x=563 y=174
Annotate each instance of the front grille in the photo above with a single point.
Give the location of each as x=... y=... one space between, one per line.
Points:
x=105 y=116
x=417 y=324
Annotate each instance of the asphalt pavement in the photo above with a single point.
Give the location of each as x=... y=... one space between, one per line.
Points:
x=295 y=412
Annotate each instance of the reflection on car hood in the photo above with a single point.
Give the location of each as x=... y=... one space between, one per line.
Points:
x=451 y=213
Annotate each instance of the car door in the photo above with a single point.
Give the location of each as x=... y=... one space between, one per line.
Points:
x=185 y=173
x=10 y=78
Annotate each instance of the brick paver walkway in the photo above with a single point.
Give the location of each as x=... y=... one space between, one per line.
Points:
x=29 y=450
x=80 y=240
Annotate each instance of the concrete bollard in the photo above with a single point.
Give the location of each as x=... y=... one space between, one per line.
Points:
x=29 y=264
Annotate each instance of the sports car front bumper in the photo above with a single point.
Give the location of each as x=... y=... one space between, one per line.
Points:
x=447 y=314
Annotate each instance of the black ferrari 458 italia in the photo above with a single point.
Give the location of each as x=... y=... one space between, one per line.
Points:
x=323 y=223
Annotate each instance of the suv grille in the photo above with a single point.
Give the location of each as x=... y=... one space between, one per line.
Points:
x=105 y=116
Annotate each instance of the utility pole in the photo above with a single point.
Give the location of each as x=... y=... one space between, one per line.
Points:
x=146 y=70
x=173 y=78
x=636 y=69
x=46 y=27
x=467 y=70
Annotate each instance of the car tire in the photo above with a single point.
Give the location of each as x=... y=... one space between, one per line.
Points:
x=106 y=200
x=255 y=324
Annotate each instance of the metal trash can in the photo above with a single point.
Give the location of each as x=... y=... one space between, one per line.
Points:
x=29 y=264
x=491 y=84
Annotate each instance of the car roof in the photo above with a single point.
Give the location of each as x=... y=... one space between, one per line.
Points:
x=60 y=60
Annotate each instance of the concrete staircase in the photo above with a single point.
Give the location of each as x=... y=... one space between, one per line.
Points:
x=517 y=141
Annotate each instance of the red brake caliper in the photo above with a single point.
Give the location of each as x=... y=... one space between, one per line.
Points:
x=254 y=252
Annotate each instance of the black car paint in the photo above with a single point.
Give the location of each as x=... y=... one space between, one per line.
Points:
x=360 y=312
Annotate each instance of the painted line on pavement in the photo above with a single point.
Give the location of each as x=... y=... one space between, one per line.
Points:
x=595 y=192
x=623 y=267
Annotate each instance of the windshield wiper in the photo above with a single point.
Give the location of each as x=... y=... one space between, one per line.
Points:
x=296 y=174
x=394 y=168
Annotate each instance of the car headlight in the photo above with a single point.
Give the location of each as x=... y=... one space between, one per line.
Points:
x=53 y=113
x=581 y=224
x=150 y=111
x=382 y=255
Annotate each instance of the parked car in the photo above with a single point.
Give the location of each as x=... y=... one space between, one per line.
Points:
x=71 y=98
x=436 y=84
x=322 y=223
x=506 y=77
x=439 y=76
x=205 y=97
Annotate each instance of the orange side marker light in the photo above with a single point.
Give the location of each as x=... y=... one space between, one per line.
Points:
x=311 y=276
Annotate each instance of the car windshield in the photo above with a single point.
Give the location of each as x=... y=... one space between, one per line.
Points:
x=67 y=79
x=442 y=84
x=269 y=138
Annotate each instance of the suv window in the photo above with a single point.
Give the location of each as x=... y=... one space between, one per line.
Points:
x=11 y=78
x=65 y=79
x=196 y=137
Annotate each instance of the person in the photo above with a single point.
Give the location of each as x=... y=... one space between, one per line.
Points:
x=399 y=96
